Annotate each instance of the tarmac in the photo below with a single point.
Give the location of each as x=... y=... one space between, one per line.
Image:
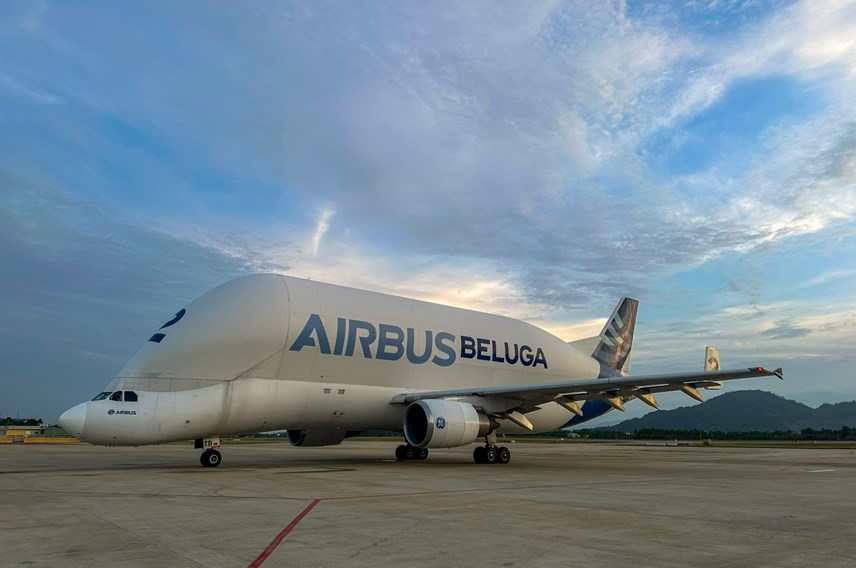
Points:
x=569 y=504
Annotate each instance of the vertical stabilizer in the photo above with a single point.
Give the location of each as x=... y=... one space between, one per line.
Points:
x=616 y=338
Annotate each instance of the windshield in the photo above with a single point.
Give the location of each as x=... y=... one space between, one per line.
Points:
x=102 y=396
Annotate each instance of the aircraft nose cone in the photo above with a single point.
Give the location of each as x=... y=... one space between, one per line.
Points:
x=73 y=419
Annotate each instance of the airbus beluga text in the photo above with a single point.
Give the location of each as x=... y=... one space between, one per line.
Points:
x=271 y=352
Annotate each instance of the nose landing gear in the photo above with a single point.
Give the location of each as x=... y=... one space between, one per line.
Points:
x=210 y=457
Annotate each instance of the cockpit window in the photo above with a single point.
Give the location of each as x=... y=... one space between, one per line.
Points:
x=102 y=396
x=130 y=396
x=116 y=396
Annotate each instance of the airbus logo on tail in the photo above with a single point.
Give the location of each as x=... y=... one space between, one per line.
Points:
x=390 y=342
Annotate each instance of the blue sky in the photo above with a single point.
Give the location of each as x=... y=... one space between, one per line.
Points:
x=537 y=160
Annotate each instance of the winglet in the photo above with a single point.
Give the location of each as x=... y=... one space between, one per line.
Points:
x=779 y=373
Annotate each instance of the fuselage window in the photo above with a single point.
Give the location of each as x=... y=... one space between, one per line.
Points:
x=130 y=396
x=116 y=396
x=102 y=396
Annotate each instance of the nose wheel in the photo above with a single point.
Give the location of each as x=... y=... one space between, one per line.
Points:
x=210 y=458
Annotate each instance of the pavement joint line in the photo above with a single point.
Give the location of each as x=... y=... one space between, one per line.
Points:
x=140 y=536
x=491 y=489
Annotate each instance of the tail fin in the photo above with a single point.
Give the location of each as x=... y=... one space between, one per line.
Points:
x=711 y=363
x=612 y=346
x=616 y=337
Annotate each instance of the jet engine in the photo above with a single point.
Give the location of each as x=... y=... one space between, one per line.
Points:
x=318 y=437
x=444 y=424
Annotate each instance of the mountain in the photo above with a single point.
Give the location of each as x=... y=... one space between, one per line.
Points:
x=747 y=411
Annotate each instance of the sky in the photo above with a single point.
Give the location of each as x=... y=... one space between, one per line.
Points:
x=533 y=159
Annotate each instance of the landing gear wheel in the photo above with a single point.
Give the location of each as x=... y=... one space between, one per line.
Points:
x=504 y=455
x=407 y=453
x=479 y=455
x=490 y=455
x=210 y=458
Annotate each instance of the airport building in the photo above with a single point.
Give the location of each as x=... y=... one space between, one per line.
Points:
x=17 y=432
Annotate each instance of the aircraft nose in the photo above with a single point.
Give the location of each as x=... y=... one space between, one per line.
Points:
x=73 y=419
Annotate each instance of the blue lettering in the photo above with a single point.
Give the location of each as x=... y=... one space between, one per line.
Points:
x=508 y=358
x=482 y=350
x=384 y=341
x=493 y=356
x=468 y=347
x=365 y=340
x=340 y=336
x=411 y=346
x=540 y=358
x=526 y=360
x=393 y=343
x=315 y=324
x=446 y=348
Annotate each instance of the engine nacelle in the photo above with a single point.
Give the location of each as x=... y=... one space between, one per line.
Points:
x=443 y=424
x=316 y=437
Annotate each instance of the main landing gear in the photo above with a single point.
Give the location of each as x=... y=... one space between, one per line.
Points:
x=408 y=452
x=210 y=457
x=490 y=452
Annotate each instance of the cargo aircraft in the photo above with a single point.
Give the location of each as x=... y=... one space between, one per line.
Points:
x=324 y=362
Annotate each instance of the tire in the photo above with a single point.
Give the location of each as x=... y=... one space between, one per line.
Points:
x=399 y=453
x=210 y=458
x=422 y=453
x=490 y=455
x=479 y=455
x=409 y=452
x=504 y=455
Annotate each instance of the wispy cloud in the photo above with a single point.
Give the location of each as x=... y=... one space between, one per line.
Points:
x=16 y=88
x=321 y=229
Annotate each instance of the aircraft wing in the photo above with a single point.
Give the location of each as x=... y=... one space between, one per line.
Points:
x=511 y=400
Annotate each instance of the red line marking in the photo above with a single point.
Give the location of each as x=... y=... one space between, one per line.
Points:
x=282 y=534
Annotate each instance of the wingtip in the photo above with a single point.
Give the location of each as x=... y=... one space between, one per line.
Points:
x=779 y=373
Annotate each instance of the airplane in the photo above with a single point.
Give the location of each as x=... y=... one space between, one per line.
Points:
x=324 y=362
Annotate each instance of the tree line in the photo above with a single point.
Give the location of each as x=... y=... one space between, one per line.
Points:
x=810 y=434
x=8 y=420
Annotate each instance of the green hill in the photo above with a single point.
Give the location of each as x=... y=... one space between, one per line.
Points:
x=747 y=411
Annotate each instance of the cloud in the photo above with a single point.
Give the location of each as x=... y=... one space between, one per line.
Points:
x=519 y=160
x=321 y=229
x=14 y=87
x=86 y=288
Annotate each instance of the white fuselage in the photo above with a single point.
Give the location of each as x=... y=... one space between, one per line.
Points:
x=271 y=352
